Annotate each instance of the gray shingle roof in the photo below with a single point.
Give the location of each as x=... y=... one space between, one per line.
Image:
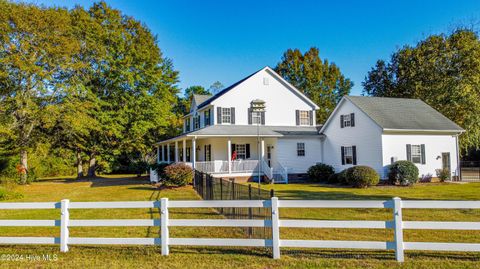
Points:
x=199 y=98
x=240 y=130
x=402 y=113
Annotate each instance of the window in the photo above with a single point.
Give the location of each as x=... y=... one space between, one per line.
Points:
x=187 y=125
x=304 y=117
x=347 y=155
x=256 y=118
x=241 y=150
x=300 y=149
x=416 y=154
x=206 y=117
x=346 y=121
x=196 y=122
x=208 y=153
x=226 y=115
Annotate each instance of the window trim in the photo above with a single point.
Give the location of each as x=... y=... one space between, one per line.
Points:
x=238 y=151
x=347 y=120
x=301 y=152
x=348 y=149
x=414 y=154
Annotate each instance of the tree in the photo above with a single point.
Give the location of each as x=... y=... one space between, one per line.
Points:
x=442 y=70
x=319 y=80
x=215 y=87
x=37 y=48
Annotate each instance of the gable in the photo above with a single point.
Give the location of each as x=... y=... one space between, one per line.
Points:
x=265 y=72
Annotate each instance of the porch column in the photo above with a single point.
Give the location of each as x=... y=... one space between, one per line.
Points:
x=176 y=151
x=163 y=153
x=262 y=156
x=158 y=153
x=194 y=152
x=184 y=155
x=168 y=153
x=229 y=155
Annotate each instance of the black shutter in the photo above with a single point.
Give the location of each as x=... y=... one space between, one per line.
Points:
x=311 y=118
x=343 y=155
x=352 y=120
x=297 y=117
x=219 y=115
x=247 y=151
x=354 y=154
x=232 y=149
x=249 y=116
x=232 y=115
x=262 y=115
x=341 y=121
x=210 y=112
x=423 y=153
x=205 y=153
x=409 y=152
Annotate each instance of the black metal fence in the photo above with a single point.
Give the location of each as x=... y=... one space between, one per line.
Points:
x=470 y=170
x=211 y=188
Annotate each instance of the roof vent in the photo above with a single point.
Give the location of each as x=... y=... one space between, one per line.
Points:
x=265 y=81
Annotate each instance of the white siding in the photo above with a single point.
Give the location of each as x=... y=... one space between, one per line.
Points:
x=280 y=101
x=286 y=152
x=394 y=145
x=365 y=135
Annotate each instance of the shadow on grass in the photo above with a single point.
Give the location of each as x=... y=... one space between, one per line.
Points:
x=328 y=195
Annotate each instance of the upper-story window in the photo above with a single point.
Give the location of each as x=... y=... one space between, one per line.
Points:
x=304 y=117
x=196 y=122
x=226 y=115
x=300 y=149
x=206 y=117
x=347 y=120
x=256 y=118
x=187 y=124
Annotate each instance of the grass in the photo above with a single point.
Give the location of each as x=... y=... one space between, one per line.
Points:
x=123 y=188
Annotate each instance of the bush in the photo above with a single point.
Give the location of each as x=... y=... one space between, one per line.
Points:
x=338 y=178
x=178 y=174
x=320 y=172
x=426 y=178
x=160 y=169
x=403 y=172
x=443 y=174
x=362 y=176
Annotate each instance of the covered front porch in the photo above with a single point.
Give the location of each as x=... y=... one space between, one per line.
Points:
x=225 y=156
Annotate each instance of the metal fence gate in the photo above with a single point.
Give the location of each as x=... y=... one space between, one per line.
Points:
x=211 y=188
x=470 y=171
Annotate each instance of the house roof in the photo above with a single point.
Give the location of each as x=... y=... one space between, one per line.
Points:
x=251 y=130
x=200 y=98
x=403 y=114
x=271 y=71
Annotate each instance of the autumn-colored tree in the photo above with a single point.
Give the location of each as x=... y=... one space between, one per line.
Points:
x=318 y=79
x=442 y=70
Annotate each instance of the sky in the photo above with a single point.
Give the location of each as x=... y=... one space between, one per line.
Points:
x=228 y=40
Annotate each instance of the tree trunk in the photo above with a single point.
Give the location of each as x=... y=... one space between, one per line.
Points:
x=24 y=164
x=91 y=165
x=79 y=164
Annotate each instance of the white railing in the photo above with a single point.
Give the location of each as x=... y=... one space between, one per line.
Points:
x=245 y=166
x=397 y=224
x=221 y=167
x=282 y=171
x=212 y=166
x=267 y=170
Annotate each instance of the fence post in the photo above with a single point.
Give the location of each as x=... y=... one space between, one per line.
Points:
x=64 y=220
x=164 y=225
x=275 y=229
x=398 y=226
x=272 y=193
x=250 y=213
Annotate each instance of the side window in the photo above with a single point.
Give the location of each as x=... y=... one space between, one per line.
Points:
x=226 y=115
x=347 y=120
x=300 y=149
x=349 y=155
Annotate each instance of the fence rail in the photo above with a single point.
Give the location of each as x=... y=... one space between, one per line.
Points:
x=274 y=224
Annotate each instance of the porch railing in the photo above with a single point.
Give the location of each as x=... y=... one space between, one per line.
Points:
x=221 y=167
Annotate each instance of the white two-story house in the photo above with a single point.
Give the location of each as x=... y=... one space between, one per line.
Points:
x=223 y=136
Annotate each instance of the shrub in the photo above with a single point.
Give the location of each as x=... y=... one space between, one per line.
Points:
x=178 y=174
x=160 y=169
x=320 y=172
x=403 y=172
x=338 y=178
x=426 y=178
x=362 y=176
x=443 y=174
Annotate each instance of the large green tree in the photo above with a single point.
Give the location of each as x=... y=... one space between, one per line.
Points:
x=321 y=81
x=36 y=48
x=442 y=70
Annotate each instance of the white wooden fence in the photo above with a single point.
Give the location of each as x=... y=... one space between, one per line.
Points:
x=397 y=224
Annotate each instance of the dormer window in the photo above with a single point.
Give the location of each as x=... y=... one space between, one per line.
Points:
x=256 y=118
x=304 y=117
x=187 y=124
x=226 y=115
x=206 y=117
x=347 y=120
x=196 y=122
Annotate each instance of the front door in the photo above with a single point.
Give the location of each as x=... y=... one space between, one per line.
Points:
x=269 y=155
x=446 y=160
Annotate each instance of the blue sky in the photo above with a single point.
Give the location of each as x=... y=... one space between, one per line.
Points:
x=227 y=40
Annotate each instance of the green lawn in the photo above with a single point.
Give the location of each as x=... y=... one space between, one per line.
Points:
x=132 y=189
